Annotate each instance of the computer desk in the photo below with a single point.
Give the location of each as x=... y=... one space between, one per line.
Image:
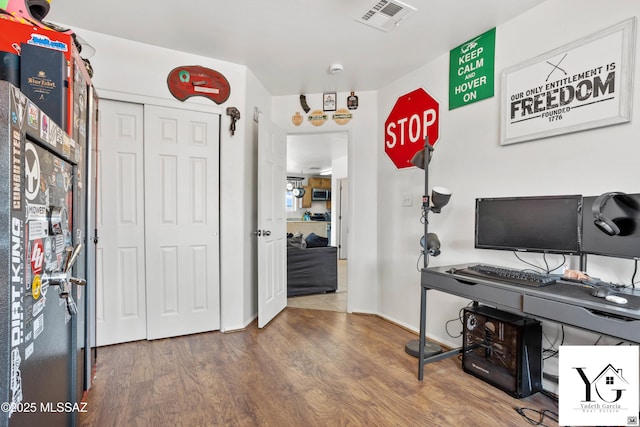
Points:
x=562 y=302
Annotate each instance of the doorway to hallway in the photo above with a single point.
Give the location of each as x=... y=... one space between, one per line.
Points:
x=311 y=158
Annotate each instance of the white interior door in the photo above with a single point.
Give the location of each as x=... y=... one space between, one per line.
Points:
x=182 y=221
x=272 y=234
x=120 y=267
x=343 y=216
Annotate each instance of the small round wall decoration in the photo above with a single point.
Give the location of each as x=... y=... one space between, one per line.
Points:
x=342 y=116
x=317 y=117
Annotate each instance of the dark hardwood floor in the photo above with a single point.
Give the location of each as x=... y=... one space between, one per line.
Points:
x=306 y=368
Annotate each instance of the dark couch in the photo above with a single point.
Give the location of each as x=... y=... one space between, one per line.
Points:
x=312 y=270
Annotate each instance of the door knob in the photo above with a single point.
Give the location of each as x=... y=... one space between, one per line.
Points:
x=267 y=233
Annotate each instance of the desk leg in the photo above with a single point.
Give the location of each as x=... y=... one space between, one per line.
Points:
x=423 y=331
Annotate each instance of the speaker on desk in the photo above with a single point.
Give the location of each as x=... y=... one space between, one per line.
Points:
x=503 y=349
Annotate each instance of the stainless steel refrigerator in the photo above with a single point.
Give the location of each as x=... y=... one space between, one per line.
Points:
x=45 y=352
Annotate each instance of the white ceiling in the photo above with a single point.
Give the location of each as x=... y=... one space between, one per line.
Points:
x=309 y=154
x=290 y=44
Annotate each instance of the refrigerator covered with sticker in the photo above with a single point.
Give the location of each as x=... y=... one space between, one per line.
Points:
x=45 y=351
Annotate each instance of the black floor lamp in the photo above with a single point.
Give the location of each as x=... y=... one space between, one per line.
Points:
x=430 y=243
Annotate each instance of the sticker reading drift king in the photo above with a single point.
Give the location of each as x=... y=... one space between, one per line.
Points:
x=17 y=307
x=17 y=272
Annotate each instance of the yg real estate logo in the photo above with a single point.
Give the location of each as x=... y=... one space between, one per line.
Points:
x=598 y=385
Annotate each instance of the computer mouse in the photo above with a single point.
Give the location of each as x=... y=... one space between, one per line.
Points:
x=599 y=291
x=616 y=299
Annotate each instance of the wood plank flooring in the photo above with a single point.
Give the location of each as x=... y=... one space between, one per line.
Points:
x=306 y=368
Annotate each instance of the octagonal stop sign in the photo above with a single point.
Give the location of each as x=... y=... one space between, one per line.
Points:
x=414 y=116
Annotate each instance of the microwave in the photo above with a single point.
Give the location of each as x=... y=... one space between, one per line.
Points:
x=320 y=194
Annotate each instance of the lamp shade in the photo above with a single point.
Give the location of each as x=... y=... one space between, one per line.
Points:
x=418 y=158
x=433 y=244
x=440 y=197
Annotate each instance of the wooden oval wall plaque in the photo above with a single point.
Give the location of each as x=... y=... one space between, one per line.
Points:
x=194 y=80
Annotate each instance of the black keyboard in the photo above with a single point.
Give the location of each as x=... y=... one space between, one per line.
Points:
x=516 y=277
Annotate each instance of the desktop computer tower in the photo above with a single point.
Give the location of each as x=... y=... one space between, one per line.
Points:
x=503 y=349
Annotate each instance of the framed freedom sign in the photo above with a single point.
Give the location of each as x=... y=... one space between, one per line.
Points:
x=582 y=85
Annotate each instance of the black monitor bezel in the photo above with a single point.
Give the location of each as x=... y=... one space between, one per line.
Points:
x=574 y=250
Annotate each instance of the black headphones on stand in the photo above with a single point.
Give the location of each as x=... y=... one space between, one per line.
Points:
x=606 y=225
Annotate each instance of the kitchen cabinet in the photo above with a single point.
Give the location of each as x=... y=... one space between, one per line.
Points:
x=306 y=198
x=317 y=182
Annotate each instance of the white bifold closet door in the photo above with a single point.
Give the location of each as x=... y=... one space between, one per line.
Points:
x=181 y=149
x=158 y=220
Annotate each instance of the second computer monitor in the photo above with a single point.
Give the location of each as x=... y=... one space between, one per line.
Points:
x=623 y=212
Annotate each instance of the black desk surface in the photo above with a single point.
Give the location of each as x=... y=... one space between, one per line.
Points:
x=564 y=302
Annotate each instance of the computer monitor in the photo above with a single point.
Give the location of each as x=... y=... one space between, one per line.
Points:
x=544 y=224
x=625 y=215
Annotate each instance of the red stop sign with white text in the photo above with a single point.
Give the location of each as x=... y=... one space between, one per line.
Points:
x=414 y=116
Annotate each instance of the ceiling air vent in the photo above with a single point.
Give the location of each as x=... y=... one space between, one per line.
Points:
x=385 y=15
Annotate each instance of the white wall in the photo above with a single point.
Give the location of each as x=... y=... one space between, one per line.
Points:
x=469 y=160
x=384 y=235
x=362 y=165
x=137 y=72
